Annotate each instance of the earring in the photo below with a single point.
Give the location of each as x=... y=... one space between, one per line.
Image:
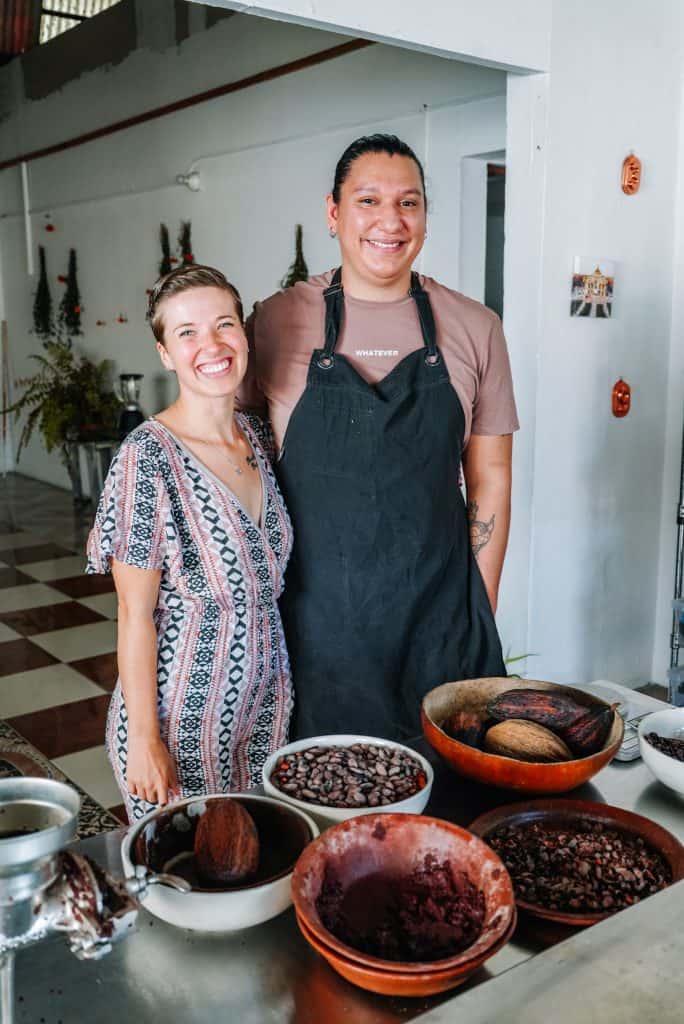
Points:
x=332 y=233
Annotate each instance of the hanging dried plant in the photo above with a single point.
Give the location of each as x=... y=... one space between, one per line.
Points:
x=42 y=303
x=298 y=270
x=70 y=306
x=165 y=265
x=185 y=243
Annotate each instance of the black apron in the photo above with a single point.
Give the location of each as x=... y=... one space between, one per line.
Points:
x=383 y=598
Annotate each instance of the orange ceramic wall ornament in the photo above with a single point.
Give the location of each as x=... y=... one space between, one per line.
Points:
x=622 y=398
x=631 y=174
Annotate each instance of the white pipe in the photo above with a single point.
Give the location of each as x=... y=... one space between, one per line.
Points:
x=7 y=988
x=426 y=157
x=27 y=218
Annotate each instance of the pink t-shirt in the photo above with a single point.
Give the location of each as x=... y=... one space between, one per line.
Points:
x=374 y=336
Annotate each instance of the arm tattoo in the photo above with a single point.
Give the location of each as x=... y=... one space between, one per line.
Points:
x=251 y=461
x=480 y=531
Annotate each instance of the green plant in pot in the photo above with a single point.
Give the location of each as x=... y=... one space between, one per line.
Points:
x=69 y=398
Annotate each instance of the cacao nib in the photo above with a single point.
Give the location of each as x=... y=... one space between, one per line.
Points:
x=584 y=870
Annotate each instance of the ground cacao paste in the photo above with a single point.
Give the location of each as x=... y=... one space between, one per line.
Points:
x=433 y=913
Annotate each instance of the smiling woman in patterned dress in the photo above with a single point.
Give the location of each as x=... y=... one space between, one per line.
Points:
x=194 y=530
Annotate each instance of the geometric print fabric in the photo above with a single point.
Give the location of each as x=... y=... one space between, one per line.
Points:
x=224 y=693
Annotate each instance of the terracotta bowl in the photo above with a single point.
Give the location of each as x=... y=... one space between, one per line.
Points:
x=389 y=982
x=506 y=772
x=574 y=812
x=393 y=845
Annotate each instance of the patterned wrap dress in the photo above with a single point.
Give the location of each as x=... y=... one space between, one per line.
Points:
x=224 y=693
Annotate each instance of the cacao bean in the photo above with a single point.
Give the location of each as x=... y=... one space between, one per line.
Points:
x=362 y=775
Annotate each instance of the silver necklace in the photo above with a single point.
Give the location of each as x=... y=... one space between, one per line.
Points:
x=250 y=459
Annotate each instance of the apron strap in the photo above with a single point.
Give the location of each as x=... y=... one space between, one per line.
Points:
x=334 y=310
x=427 y=321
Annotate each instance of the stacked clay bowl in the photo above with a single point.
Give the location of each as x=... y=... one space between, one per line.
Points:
x=387 y=847
x=507 y=772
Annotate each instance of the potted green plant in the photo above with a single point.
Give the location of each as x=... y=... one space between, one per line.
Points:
x=68 y=399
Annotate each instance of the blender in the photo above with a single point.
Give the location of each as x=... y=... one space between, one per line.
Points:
x=129 y=393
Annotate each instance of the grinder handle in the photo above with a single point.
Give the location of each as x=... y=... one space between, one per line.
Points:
x=137 y=885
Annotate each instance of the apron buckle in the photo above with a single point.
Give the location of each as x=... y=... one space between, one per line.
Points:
x=326 y=362
x=433 y=359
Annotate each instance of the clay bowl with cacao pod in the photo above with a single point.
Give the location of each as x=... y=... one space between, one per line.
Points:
x=473 y=696
x=368 y=857
x=170 y=842
x=573 y=816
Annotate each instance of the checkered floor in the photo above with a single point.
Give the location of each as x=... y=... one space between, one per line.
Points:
x=57 y=635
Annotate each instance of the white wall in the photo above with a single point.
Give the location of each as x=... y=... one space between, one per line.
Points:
x=673 y=417
x=597 y=479
x=265 y=155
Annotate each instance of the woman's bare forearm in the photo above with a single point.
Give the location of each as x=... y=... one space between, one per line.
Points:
x=487 y=471
x=137 y=656
x=137 y=592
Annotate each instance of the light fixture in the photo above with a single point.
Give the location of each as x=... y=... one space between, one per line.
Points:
x=191 y=180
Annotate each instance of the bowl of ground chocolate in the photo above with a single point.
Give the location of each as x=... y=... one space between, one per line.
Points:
x=661 y=742
x=337 y=777
x=403 y=896
x=575 y=863
x=169 y=842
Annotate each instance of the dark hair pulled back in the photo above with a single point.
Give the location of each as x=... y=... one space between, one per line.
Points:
x=379 y=143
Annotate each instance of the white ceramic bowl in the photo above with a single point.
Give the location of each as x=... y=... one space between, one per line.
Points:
x=666 y=769
x=326 y=816
x=216 y=910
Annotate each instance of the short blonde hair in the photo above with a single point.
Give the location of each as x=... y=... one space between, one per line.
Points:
x=182 y=279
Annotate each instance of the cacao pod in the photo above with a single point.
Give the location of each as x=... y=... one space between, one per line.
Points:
x=525 y=741
x=590 y=731
x=555 y=711
x=466 y=727
x=226 y=843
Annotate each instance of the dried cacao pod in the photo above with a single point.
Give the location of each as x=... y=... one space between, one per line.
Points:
x=526 y=741
x=226 y=843
x=588 y=733
x=555 y=711
x=466 y=727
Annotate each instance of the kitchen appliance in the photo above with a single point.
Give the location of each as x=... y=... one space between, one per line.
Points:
x=129 y=393
x=46 y=889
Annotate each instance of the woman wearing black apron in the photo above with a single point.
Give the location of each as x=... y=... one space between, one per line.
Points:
x=384 y=598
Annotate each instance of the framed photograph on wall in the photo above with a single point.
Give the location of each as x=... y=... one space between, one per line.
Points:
x=593 y=284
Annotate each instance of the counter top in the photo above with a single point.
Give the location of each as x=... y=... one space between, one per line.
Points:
x=624 y=970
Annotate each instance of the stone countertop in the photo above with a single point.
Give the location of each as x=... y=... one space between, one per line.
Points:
x=19 y=757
